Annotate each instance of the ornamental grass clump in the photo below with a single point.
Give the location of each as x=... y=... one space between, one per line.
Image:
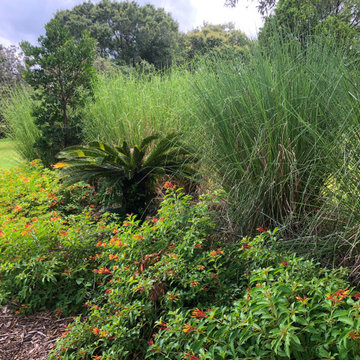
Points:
x=274 y=130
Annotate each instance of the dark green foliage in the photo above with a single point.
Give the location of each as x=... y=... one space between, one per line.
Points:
x=215 y=39
x=125 y=31
x=128 y=173
x=337 y=20
x=60 y=70
x=168 y=291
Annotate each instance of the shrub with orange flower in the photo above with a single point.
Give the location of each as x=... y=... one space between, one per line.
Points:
x=199 y=314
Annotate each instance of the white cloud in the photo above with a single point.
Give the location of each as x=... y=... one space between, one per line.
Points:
x=25 y=19
x=244 y=15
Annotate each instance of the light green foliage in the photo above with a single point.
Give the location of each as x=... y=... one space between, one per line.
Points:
x=45 y=233
x=20 y=123
x=60 y=70
x=125 y=31
x=8 y=156
x=168 y=290
x=128 y=173
x=215 y=39
x=272 y=129
x=338 y=21
x=132 y=107
x=10 y=75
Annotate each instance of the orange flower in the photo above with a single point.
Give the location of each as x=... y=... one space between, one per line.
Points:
x=154 y=220
x=162 y=325
x=173 y=297
x=104 y=333
x=108 y=291
x=114 y=257
x=25 y=179
x=41 y=258
x=174 y=256
x=262 y=229
x=356 y=296
x=284 y=263
x=1 y=234
x=199 y=314
x=214 y=253
x=353 y=335
x=197 y=246
x=169 y=185
x=194 y=283
x=17 y=208
x=96 y=357
x=301 y=299
x=190 y=356
x=188 y=328
x=95 y=331
x=126 y=223
x=138 y=237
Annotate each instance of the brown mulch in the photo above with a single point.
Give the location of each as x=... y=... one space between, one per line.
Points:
x=29 y=337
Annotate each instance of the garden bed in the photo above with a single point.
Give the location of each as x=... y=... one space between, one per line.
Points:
x=29 y=337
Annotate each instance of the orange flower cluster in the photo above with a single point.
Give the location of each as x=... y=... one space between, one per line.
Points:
x=214 y=253
x=198 y=314
x=102 y=270
x=173 y=297
x=284 y=263
x=301 y=299
x=338 y=296
x=191 y=356
x=188 y=328
x=168 y=185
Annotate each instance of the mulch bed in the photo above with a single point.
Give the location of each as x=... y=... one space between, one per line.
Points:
x=29 y=337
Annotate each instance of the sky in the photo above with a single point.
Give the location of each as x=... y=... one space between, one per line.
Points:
x=25 y=19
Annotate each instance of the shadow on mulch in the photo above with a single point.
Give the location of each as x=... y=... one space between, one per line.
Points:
x=29 y=337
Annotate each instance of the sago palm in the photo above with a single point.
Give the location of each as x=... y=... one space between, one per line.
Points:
x=129 y=172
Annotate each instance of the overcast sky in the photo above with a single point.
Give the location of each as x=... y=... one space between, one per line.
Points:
x=25 y=19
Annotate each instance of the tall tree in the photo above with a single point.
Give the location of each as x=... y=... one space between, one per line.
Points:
x=125 y=31
x=210 y=39
x=10 y=67
x=338 y=18
x=61 y=72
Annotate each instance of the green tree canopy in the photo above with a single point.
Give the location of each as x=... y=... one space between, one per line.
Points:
x=10 y=67
x=211 y=39
x=340 y=20
x=125 y=31
x=61 y=71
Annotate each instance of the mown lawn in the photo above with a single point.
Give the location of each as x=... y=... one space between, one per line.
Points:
x=8 y=156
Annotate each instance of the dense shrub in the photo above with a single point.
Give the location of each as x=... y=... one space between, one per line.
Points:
x=169 y=291
x=46 y=232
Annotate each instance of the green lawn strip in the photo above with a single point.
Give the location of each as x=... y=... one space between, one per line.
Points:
x=8 y=156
